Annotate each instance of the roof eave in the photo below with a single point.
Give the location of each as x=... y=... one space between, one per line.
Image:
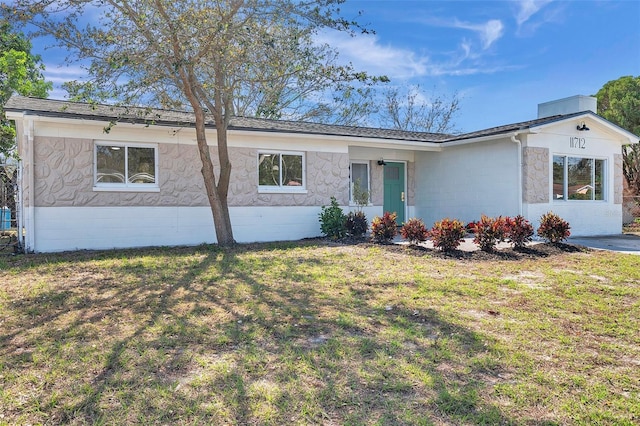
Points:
x=495 y=136
x=627 y=135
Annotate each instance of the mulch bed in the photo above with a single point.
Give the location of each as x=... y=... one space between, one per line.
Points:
x=532 y=252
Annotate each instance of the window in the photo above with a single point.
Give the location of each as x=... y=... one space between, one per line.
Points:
x=279 y=170
x=359 y=180
x=125 y=166
x=577 y=178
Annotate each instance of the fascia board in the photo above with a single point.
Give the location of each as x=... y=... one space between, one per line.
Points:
x=348 y=140
x=499 y=136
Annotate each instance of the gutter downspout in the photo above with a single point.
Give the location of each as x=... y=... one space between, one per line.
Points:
x=519 y=143
x=29 y=220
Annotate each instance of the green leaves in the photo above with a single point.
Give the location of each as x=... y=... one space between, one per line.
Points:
x=20 y=72
x=619 y=102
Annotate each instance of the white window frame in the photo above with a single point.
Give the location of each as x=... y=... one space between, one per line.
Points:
x=126 y=186
x=565 y=178
x=265 y=189
x=366 y=163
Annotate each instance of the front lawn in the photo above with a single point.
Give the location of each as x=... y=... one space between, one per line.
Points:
x=319 y=333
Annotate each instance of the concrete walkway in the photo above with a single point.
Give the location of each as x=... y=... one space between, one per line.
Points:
x=622 y=243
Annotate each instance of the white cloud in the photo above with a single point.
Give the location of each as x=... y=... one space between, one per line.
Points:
x=528 y=8
x=365 y=52
x=58 y=75
x=530 y=15
x=489 y=32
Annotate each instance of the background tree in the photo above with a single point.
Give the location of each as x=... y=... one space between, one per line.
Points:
x=20 y=72
x=619 y=102
x=214 y=57
x=414 y=110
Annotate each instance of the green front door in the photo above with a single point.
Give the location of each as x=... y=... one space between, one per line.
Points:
x=394 y=190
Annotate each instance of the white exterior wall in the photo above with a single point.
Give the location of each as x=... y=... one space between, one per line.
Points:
x=463 y=182
x=584 y=217
x=78 y=228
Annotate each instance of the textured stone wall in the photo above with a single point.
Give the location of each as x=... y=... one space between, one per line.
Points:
x=535 y=175
x=64 y=177
x=63 y=172
x=618 y=178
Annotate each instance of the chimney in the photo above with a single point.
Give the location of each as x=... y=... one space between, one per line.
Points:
x=578 y=103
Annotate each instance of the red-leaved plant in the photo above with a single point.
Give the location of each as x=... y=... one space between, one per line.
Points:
x=414 y=231
x=447 y=234
x=489 y=231
x=356 y=224
x=519 y=231
x=553 y=228
x=384 y=228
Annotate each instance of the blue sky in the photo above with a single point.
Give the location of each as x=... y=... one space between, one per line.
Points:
x=501 y=57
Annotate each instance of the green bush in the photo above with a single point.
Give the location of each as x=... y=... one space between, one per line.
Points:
x=519 y=231
x=553 y=228
x=414 y=231
x=488 y=232
x=385 y=228
x=447 y=234
x=356 y=224
x=332 y=220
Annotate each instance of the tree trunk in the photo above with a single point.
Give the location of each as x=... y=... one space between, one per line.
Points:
x=216 y=193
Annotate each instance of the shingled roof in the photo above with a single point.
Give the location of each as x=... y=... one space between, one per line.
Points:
x=163 y=117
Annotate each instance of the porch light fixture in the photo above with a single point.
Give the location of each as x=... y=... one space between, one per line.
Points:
x=381 y=162
x=582 y=127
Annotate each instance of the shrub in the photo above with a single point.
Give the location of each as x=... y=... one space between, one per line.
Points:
x=488 y=232
x=519 y=231
x=332 y=220
x=447 y=234
x=553 y=228
x=414 y=231
x=384 y=228
x=356 y=224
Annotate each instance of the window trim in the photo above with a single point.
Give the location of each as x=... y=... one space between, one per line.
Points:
x=366 y=163
x=565 y=178
x=282 y=189
x=126 y=186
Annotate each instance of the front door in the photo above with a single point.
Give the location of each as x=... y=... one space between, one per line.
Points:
x=394 y=190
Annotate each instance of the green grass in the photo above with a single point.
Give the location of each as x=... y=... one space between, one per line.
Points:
x=317 y=333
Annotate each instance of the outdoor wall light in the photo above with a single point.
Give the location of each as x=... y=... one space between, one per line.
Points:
x=582 y=127
x=381 y=162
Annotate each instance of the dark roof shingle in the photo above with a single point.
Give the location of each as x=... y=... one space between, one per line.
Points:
x=66 y=109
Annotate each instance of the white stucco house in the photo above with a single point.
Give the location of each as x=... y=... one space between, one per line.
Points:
x=140 y=183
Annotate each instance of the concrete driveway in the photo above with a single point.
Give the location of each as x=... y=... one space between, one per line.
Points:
x=623 y=243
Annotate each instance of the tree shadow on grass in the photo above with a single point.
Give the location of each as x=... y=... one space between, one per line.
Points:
x=232 y=336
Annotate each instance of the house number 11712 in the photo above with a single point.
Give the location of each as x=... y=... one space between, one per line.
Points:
x=579 y=143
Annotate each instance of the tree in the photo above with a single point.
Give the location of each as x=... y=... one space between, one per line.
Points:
x=214 y=57
x=619 y=102
x=413 y=110
x=20 y=72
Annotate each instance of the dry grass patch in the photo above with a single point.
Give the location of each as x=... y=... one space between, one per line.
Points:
x=319 y=333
